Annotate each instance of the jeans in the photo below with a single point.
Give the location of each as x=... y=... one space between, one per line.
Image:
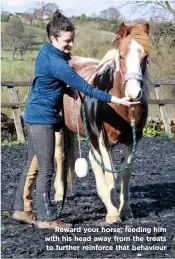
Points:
x=41 y=148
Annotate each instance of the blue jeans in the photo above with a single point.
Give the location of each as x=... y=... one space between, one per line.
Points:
x=41 y=148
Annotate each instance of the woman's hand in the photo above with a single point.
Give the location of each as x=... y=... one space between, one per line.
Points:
x=124 y=101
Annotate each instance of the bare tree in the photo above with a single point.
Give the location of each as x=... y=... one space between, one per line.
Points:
x=25 y=44
x=49 y=9
x=154 y=8
x=44 y=9
x=94 y=15
x=111 y=13
x=103 y=14
x=15 y=37
x=28 y=17
x=13 y=33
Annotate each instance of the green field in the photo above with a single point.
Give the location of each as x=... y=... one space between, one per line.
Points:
x=90 y=42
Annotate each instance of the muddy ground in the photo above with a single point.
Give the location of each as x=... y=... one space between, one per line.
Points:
x=152 y=201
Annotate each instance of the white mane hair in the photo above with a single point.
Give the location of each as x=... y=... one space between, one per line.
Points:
x=109 y=57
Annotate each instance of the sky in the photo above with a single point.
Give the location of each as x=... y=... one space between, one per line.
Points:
x=69 y=7
x=77 y=7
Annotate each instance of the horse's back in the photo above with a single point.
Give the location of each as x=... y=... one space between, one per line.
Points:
x=86 y=67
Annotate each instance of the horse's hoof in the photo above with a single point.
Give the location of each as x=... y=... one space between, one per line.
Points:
x=113 y=219
x=126 y=214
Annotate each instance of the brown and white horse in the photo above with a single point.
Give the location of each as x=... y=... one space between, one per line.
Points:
x=121 y=74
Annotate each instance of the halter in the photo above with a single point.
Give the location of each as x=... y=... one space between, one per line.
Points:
x=128 y=76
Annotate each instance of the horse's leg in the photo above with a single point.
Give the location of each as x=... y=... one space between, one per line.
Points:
x=110 y=178
x=125 y=209
x=99 y=176
x=59 y=156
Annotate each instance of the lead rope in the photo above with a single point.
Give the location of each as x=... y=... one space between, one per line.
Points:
x=76 y=117
x=133 y=154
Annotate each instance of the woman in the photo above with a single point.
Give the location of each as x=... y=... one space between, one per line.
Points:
x=52 y=75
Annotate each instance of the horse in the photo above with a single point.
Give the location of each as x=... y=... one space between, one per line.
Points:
x=121 y=73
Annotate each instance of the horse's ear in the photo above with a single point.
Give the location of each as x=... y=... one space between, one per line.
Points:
x=122 y=31
x=146 y=27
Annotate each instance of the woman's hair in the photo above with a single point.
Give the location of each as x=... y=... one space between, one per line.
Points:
x=58 y=23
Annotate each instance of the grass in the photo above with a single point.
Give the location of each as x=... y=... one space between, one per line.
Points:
x=23 y=70
x=150 y=133
x=17 y=70
x=12 y=143
x=90 y=42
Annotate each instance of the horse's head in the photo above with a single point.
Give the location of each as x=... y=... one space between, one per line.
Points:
x=134 y=46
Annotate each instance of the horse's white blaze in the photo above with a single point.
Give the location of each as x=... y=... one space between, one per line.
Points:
x=133 y=86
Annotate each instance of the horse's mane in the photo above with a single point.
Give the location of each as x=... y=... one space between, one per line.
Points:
x=137 y=32
x=108 y=57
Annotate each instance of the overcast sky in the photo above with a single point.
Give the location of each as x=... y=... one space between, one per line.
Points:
x=87 y=7
x=69 y=7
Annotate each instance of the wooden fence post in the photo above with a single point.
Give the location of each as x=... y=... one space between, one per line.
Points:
x=163 y=110
x=16 y=113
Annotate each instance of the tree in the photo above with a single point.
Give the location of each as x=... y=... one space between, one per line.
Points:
x=38 y=13
x=155 y=8
x=49 y=9
x=103 y=14
x=83 y=17
x=44 y=9
x=28 y=18
x=5 y=18
x=111 y=13
x=94 y=15
x=24 y=44
x=15 y=37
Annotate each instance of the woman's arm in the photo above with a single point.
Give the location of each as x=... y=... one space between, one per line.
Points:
x=66 y=73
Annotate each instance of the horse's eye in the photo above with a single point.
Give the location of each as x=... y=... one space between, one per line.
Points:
x=121 y=57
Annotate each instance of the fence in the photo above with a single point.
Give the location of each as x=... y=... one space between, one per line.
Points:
x=15 y=105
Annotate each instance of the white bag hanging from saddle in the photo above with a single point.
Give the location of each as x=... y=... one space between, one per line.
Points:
x=81 y=167
x=81 y=164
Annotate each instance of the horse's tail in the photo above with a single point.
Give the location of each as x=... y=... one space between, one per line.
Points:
x=65 y=158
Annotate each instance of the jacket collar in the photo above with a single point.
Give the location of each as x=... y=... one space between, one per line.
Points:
x=59 y=53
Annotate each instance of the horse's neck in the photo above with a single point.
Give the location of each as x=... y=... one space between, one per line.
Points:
x=89 y=68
